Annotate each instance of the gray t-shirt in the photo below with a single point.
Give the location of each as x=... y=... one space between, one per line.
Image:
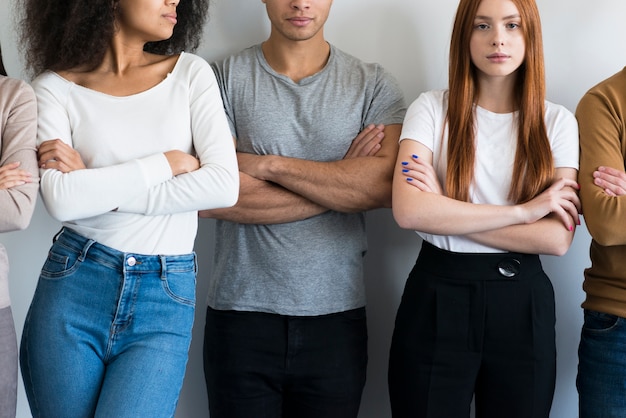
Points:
x=313 y=266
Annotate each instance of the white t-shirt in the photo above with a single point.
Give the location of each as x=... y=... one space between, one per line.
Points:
x=127 y=197
x=496 y=141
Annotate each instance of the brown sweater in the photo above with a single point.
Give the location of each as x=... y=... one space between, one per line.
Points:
x=601 y=117
x=18 y=130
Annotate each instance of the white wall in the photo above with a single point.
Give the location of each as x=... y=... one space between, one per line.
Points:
x=583 y=45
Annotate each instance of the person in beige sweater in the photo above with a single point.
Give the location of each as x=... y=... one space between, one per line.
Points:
x=601 y=380
x=18 y=193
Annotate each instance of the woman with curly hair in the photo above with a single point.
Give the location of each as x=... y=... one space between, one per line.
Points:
x=486 y=174
x=133 y=141
x=18 y=194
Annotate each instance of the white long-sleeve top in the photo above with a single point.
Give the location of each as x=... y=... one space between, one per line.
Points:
x=127 y=198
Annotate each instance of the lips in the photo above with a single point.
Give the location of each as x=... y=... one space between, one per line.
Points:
x=498 y=57
x=300 y=21
x=171 y=17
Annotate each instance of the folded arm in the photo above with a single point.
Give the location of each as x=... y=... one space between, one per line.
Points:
x=18 y=161
x=543 y=225
x=348 y=185
x=601 y=176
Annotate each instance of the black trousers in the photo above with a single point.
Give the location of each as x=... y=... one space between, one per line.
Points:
x=474 y=325
x=261 y=365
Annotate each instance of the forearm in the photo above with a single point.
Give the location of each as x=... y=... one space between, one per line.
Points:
x=348 y=185
x=16 y=206
x=90 y=192
x=264 y=203
x=546 y=236
x=345 y=186
x=439 y=215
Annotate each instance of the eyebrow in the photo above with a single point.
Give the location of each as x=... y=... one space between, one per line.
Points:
x=514 y=16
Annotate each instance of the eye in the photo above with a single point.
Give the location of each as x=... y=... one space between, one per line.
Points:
x=512 y=25
x=481 y=26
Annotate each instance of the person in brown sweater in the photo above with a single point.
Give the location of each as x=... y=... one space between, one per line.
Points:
x=18 y=193
x=601 y=380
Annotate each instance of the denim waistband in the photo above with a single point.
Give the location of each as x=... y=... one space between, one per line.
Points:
x=477 y=266
x=88 y=248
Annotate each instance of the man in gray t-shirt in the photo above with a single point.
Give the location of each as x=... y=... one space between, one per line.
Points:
x=316 y=132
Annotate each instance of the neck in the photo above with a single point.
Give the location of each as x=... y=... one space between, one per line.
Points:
x=296 y=59
x=497 y=94
x=122 y=56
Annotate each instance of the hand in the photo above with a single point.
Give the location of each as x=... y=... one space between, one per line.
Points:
x=58 y=155
x=421 y=174
x=367 y=142
x=11 y=176
x=611 y=180
x=560 y=199
x=181 y=162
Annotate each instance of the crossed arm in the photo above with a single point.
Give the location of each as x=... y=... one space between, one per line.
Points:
x=276 y=189
x=544 y=225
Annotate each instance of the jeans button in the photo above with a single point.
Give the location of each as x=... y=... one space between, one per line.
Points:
x=131 y=261
x=509 y=267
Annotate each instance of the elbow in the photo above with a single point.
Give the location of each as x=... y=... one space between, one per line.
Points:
x=230 y=192
x=604 y=233
x=403 y=219
x=560 y=246
x=17 y=224
x=232 y=200
x=60 y=212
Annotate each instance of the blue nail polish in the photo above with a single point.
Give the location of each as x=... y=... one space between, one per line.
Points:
x=404 y=170
x=409 y=179
x=405 y=163
x=415 y=156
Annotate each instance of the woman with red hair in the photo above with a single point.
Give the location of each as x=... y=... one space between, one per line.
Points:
x=487 y=177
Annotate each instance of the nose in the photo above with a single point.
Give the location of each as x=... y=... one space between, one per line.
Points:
x=498 y=38
x=301 y=4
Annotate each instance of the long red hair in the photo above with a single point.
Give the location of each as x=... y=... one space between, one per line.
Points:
x=533 y=168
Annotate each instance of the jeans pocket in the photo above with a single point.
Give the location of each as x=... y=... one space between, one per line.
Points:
x=60 y=263
x=180 y=287
x=599 y=321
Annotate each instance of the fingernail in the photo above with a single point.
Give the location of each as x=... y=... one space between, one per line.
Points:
x=405 y=163
x=404 y=170
x=409 y=179
x=571 y=228
x=415 y=156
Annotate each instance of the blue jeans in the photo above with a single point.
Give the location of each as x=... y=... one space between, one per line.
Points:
x=265 y=365
x=601 y=380
x=107 y=333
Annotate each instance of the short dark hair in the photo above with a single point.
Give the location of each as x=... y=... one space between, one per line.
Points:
x=64 y=34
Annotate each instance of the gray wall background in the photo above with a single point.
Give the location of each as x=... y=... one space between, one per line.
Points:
x=584 y=43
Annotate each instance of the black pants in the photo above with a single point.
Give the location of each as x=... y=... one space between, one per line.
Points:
x=260 y=365
x=474 y=325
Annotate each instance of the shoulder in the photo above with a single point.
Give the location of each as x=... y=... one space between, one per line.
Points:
x=51 y=81
x=237 y=63
x=346 y=61
x=608 y=93
x=13 y=87
x=191 y=64
x=557 y=111
x=435 y=99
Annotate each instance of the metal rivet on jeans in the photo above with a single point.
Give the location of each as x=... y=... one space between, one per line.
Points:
x=509 y=267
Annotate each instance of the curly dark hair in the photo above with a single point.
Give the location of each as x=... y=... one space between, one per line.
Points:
x=64 y=34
